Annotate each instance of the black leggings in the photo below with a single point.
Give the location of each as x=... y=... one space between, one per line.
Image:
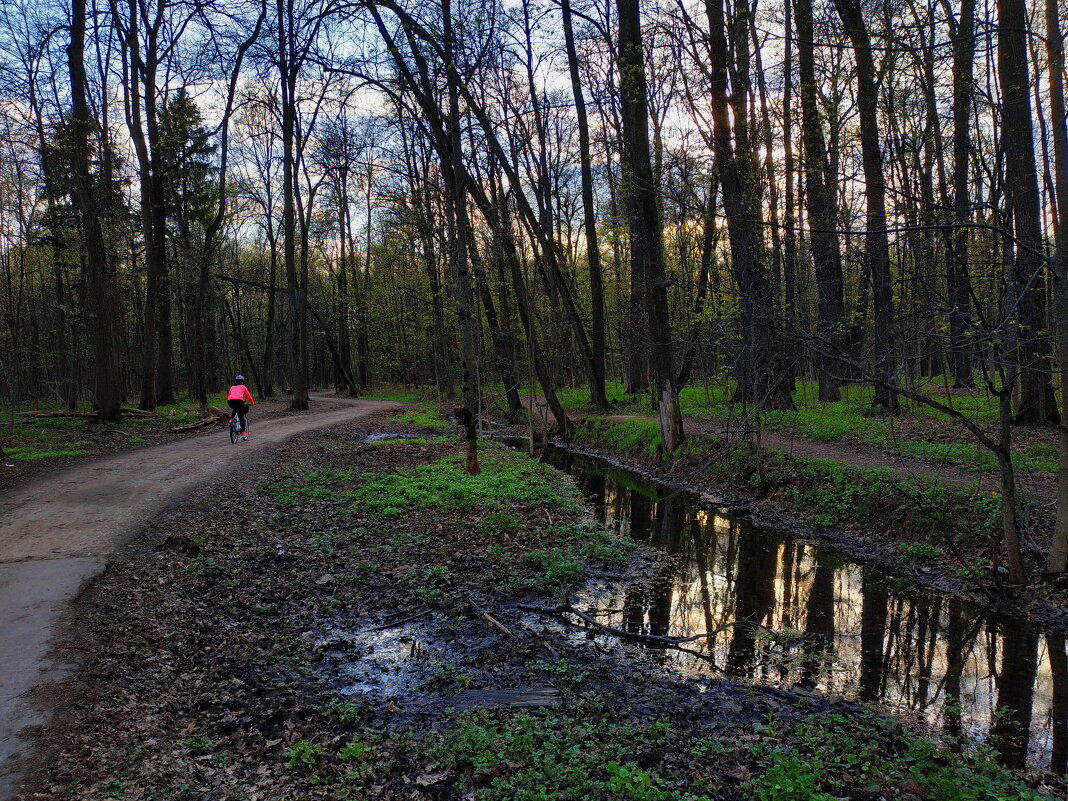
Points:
x=241 y=408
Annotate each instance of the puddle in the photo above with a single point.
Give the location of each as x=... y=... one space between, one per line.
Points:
x=386 y=664
x=840 y=627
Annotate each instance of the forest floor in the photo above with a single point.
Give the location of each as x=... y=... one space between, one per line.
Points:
x=1041 y=484
x=58 y=528
x=357 y=618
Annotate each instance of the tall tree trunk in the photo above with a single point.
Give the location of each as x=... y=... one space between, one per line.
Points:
x=288 y=72
x=1036 y=405
x=957 y=252
x=876 y=241
x=646 y=229
x=821 y=189
x=759 y=375
x=102 y=294
x=457 y=185
x=1057 y=559
x=593 y=251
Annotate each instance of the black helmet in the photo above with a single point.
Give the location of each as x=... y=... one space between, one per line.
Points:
x=238 y=379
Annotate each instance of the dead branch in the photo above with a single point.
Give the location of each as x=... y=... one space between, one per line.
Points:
x=652 y=639
x=497 y=624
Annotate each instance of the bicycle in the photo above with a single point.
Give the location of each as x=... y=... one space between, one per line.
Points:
x=235 y=427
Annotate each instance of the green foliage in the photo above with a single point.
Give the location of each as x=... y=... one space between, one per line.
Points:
x=342 y=710
x=353 y=751
x=395 y=394
x=833 y=494
x=836 y=753
x=506 y=478
x=975 y=569
x=558 y=573
x=199 y=745
x=561 y=669
x=628 y=437
x=413 y=441
x=538 y=758
x=424 y=415
x=302 y=755
x=202 y=565
x=915 y=553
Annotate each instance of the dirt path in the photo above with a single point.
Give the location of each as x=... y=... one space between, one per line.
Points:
x=863 y=456
x=58 y=533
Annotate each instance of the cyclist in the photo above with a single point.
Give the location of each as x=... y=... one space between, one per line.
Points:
x=239 y=399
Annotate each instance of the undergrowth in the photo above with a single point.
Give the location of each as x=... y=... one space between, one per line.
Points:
x=830 y=493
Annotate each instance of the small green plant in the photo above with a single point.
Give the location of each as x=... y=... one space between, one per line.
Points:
x=448 y=678
x=560 y=668
x=353 y=751
x=202 y=565
x=114 y=789
x=342 y=710
x=915 y=553
x=199 y=745
x=302 y=755
x=497 y=522
x=558 y=574
x=973 y=570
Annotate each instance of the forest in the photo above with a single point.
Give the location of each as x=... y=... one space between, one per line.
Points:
x=787 y=204
x=774 y=294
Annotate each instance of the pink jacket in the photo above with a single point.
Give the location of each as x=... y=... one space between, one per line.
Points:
x=240 y=392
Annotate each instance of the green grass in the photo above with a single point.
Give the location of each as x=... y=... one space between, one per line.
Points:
x=424 y=415
x=852 y=419
x=28 y=453
x=829 y=492
x=506 y=478
x=394 y=393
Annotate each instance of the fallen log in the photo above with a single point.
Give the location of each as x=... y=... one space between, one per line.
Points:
x=65 y=415
x=203 y=422
x=139 y=412
x=128 y=412
x=223 y=414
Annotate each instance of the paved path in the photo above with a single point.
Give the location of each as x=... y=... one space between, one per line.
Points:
x=58 y=532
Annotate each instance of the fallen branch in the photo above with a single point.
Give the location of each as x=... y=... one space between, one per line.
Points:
x=401 y=621
x=63 y=415
x=497 y=624
x=652 y=639
x=203 y=422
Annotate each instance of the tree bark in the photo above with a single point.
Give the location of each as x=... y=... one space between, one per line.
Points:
x=821 y=190
x=646 y=228
x=876 y=240
x=1057 y=559
x=1036 y=404
x=102 y=294
x=593 y=251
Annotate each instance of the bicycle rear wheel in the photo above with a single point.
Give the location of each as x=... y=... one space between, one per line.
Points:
x=235 y=430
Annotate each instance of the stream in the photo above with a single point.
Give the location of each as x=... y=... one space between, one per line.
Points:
x=842 y=628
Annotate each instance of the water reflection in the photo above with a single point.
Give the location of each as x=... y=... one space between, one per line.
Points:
x=839 y=627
